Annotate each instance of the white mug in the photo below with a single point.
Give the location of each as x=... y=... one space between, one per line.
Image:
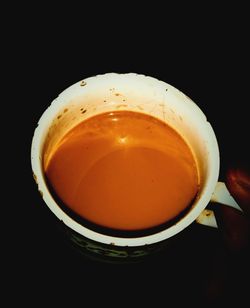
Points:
x=133 y=92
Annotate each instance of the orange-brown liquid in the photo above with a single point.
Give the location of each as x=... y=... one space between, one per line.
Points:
x=124 y=170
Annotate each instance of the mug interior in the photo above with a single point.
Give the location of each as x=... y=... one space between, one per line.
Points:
x=132 y=92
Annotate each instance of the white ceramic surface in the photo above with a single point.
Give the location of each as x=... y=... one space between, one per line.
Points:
x=134 y=92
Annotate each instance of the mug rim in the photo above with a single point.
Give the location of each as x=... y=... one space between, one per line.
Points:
x=109 y=239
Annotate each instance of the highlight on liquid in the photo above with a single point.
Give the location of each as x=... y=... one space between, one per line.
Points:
x=123 y=170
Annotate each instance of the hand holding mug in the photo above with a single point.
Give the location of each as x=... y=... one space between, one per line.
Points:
x=234 y=224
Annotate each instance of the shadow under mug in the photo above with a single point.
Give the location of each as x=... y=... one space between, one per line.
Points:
x=133 y=92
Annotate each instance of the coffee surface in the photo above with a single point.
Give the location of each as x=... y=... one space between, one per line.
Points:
x=123 y=170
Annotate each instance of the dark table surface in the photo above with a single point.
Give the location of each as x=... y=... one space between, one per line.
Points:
x=197 y=268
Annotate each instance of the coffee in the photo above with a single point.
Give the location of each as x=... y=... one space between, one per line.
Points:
x=123 y=170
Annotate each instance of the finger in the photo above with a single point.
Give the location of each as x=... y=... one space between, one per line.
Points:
x=234 y=227
x=238 y=183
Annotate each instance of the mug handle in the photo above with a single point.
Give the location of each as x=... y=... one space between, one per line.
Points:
x=220 y=195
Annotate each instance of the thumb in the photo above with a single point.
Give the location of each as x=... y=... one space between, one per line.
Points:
x=238 y=184
x=233 y=224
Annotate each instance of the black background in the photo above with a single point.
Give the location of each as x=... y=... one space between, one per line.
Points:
x=206 y=57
